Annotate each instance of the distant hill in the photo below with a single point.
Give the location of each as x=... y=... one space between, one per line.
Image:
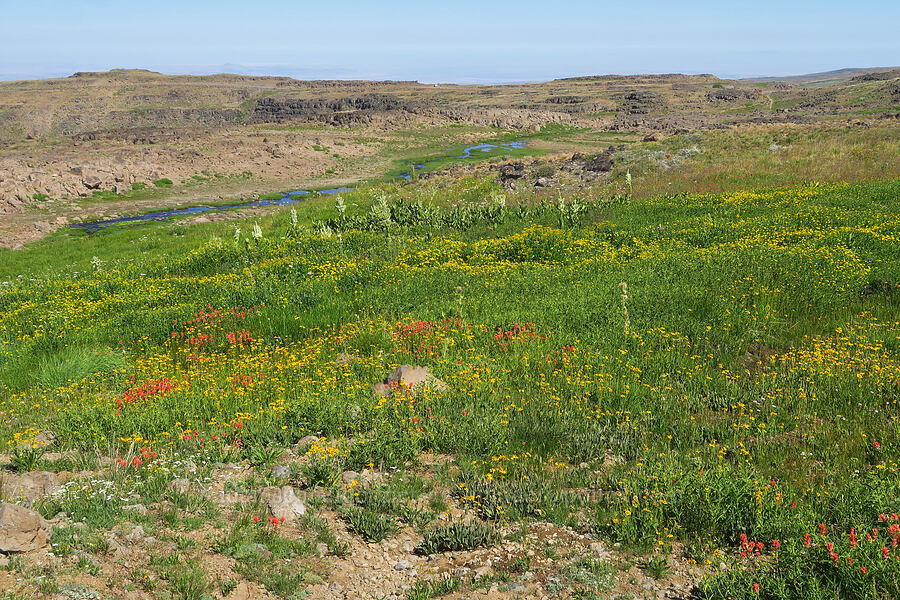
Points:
x=826 y=78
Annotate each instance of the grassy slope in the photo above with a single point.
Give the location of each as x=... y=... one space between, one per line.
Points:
x=743 y=391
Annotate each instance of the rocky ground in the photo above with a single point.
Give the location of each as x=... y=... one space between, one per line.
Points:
x=534 y=560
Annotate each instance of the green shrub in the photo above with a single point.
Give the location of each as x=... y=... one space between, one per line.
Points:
x=545 y=171
x=165 y=182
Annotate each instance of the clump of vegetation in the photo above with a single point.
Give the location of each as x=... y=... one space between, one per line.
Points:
x=545 y=171
x=164 y=182
x=458 y=536
x=424 y=590
x=370 y=525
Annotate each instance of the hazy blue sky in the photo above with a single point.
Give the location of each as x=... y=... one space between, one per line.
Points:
x=461 y=41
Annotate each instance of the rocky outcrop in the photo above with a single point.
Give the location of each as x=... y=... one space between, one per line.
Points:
x=284 y=109
x=601 y=163
x=641 y=102
x=730 y=95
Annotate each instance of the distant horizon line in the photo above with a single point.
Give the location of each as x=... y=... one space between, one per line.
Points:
x=273 y=71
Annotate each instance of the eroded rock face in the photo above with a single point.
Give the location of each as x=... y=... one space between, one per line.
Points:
x=22 y=529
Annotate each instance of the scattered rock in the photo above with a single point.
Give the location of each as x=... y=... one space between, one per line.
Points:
x=653 y=137
x=91 y=182
x=46 y=438
x=514 y=170
x=307 y=440
x=284 y=504
x=30 y=486
x=180 y=485
x=409 y=377
x=281 y=471
x=22 y=529
x=138 y=508
x=600 y=163
x=137 y=535
x=543 y=182
x=349 y=476
x=403 y=565
x=600 y=550
x=122 y=189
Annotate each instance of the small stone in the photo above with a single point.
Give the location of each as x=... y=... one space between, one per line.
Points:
x=723 y=566
x=284 y=504
x=180 y=485
x=600 y=550
x=516 y=588
x=349 y=476
x=136 y=535
x=306 y=440
x=322 y=548
x=138 y=508
x=281 y=471
x=403 y=565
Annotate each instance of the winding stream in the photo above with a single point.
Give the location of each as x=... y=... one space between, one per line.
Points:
x=162 y=215
x=287 y=198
